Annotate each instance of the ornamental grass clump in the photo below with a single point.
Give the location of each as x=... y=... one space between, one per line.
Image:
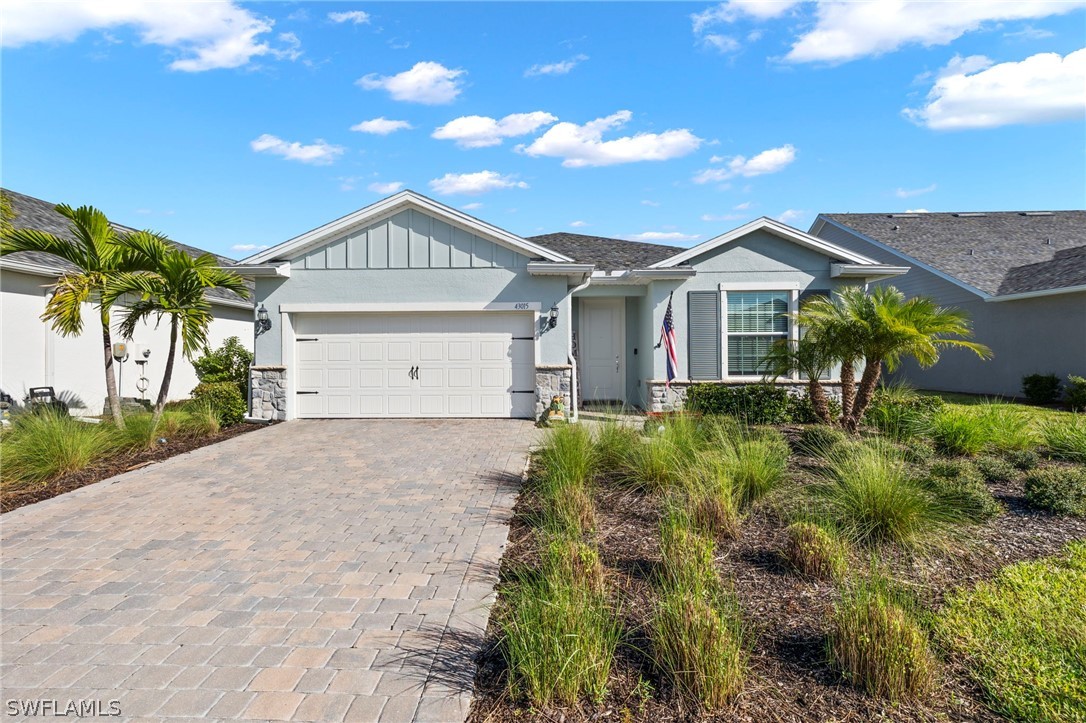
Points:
x=1006 y=427
x=819 y=440
x=815 y=552
x=1065 y=438
x=563 y=483
x=757 y=463
x=869 y=495
x=710 y=498
x=614 y=443
x=43 y=445
x=662 y=461
x=877 y=643
x=958 y=431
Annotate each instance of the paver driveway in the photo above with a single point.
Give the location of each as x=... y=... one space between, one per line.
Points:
x=317 y=570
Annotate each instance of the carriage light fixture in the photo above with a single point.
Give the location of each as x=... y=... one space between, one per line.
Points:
x=263 y=321
x=552 y=319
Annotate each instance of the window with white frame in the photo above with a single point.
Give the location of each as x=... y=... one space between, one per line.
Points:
x=754 y=321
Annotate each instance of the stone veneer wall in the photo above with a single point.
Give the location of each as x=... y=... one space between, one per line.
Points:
x=663 y=401
x=269 y=392
x=551 y=381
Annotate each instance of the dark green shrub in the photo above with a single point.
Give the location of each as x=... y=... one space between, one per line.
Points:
x=900 y=412
x=819 y=439
x=995 y=469
x=802 y=411
x=1041 y=388
x=1023 y=459
x=1058 y=489
x=961 y=487
x=919 y=452
x=229 y=363
x=1076 y=392
x=753 y=403
x=224 y=398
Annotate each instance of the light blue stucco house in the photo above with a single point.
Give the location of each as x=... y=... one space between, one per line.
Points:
x=411 y=308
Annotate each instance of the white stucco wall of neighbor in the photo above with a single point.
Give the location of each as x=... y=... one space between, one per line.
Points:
x=33 y=355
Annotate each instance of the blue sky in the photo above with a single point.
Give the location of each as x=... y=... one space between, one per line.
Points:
x=229 y=125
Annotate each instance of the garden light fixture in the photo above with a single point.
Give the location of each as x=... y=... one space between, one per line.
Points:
x=263 y=321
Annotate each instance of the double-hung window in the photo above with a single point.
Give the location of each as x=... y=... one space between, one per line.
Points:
x=756 y=319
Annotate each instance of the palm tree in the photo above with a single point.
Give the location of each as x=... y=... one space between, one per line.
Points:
x=174 y=284
x=828 y=325
x=812 y=360
x=95 y=251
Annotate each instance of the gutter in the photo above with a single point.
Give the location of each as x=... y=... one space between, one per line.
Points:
x=871 y=272
x=275 y=270
x=1038 y=294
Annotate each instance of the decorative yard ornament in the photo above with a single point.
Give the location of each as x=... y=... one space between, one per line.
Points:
x=557 y=411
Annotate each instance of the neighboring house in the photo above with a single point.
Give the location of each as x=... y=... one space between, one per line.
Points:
x=1020 y=275
x=411 y=308
x=33 y=355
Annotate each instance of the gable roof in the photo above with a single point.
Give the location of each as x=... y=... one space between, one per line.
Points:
x=34 y=213
x=394 y=204
x=776 y=228
x=995 y=253
x=606 y=253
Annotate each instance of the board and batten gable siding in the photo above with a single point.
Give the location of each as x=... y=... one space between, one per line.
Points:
x=410 y=239
x=916 y=282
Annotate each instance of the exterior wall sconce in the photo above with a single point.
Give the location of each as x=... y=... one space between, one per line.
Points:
x=552 y=318
x=263 y=321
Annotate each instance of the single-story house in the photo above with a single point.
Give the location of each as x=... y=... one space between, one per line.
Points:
x=33 y=355
x=1020 y=275
x=411 y=308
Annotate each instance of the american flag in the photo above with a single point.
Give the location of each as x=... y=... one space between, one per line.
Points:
x=667 y=340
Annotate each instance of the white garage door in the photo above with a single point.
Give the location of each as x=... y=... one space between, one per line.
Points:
x=415 y=365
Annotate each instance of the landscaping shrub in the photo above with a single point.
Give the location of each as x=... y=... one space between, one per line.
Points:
x=816 y=552
x=752 y=403
x=1075 y=394
x=869 y=495
x=919 y=452
x=43 y=445
x=558 y=636
x=224 y=398
x=801 y=411
x=820 y=439
x=996 y=469
x=229 y=363
x=1041 y=388
x=1022 y=459
x=899 y=412
x=877 y=643
x=960 y=486
x=757 y=465
x=1065 y=438
x=1021 y=637
x=1058 y=489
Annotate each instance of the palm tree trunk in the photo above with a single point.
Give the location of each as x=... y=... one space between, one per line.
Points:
x=164 y=389
x=818 y=399
x=868 y=383
x=111 y=380
x=848 y=389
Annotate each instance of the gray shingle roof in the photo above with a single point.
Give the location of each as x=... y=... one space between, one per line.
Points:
x=37 y=214
x=999 y=252
x=606 y=253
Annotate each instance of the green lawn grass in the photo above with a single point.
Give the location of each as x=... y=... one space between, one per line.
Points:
x=1035 y=413
x=1023 y=637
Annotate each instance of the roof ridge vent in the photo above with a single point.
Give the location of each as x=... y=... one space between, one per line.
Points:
x=1036 y=213
x=904 y=215
x=970 y=214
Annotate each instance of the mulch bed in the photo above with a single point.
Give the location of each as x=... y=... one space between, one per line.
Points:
x=789 y=678
x=115 y=465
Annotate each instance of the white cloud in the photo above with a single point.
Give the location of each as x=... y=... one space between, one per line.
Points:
x=580 y=146
x=348 y=183
x=426 y=82
x=472 y=184
x=742 y=206
x=791 y=215
x=318 y=153
x=248 y=247
x=910 y=192
x=729 y=12
x=660 y=236
x=721 y=217
x=1030 y=33
x=356 y=17
x=720 y=43
x=560 y=68
x=847 y=30
x=474 y=206
x=768 y=161
x=578 y=224
x=918 y=210
x=1043 y=88
x=647 y=202
x=717 y=159
x=381 y=126
x=204 y=36
x=477 y=131
x=385 y=187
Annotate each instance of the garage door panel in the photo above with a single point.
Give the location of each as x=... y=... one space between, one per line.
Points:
x=412 y=365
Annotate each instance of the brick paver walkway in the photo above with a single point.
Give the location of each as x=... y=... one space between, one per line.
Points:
x=315 y=570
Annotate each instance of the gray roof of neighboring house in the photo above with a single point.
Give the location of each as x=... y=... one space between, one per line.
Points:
x=606 y=253
x=40 y=215
x=999 y=252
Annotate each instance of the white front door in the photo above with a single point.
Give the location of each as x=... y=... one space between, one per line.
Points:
x=415 y=365
x=603 y=327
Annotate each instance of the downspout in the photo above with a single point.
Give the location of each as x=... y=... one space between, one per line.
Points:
x=574 y=406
